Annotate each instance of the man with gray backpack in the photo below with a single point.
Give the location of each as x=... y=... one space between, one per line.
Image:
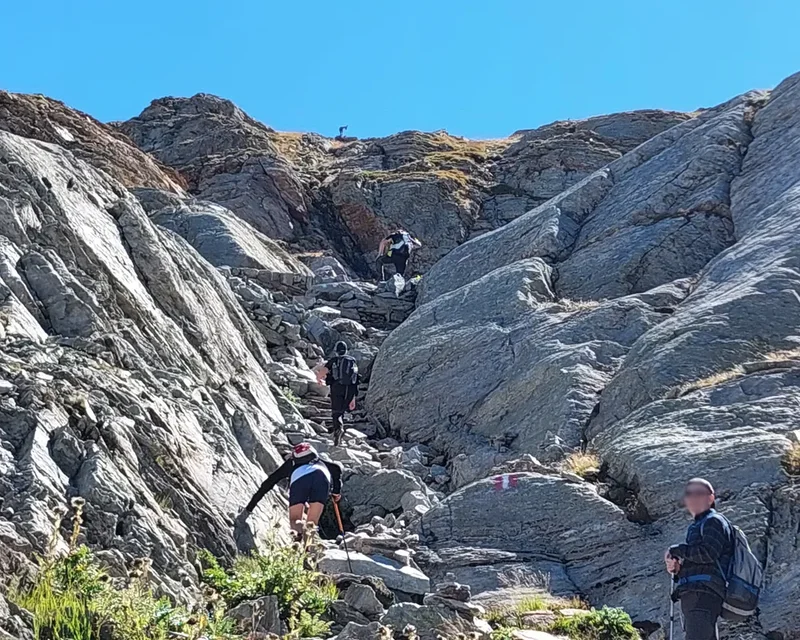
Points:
x=340 y=373
x=715 y=574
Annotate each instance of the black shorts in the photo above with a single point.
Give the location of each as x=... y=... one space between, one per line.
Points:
x=312 y=487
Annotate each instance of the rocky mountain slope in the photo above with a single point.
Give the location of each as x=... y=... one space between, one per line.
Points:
x=624 y=285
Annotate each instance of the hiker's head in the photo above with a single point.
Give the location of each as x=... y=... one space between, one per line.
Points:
x=302 y=450
x=341 y=348
x=698 y=496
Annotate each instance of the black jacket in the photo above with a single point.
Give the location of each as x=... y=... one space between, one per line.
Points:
x=284 y=472
x=705 y=555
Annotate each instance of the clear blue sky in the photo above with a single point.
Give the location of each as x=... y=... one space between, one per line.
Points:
x=480 y=69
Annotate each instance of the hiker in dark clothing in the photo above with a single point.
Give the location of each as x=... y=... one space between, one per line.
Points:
x=698 y=565
x=311 y=481
x=395 y=249
x=340 y=373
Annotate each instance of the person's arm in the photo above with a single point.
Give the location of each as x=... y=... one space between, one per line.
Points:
x=710 y=547
x=336 y=477
x=415 y=243
x=281 y=473
x=321 y=371
x=382 y=246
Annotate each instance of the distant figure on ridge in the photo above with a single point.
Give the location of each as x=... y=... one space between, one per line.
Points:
x=395 y=249
x=342 y=130
x=340 y=373
x=311 y=481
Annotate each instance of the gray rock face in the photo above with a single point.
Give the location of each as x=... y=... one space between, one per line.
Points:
x=613 y=216
x=442 y=188
x=637 y=313
x=432 y=621
x=355 y=631
x=149 y=381
x=551 y=520
x=380 y=493
x=258 y=616
x=228 y=158
x=224 y=239
x=499 y=365
x=100 y=145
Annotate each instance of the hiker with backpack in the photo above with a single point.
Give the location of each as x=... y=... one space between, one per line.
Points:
x=311 y=481
x=714 y=573
x=395 y=249
x=340 y=373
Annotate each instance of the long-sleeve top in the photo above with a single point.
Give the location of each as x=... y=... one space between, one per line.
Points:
x=285 y=471
x=705 y=555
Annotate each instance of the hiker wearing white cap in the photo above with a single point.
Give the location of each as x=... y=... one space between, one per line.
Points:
x=311 y=481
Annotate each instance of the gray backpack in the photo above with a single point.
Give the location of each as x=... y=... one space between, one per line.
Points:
x=743 y=578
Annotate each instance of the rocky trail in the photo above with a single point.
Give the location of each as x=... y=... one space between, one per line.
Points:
x=606 y=308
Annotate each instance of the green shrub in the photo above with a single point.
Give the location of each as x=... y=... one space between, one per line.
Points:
x=597 y=624
x=72 y=598
x=503 y=633
x=289 y=573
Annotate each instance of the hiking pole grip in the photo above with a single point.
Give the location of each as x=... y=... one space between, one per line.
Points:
x=341 y=529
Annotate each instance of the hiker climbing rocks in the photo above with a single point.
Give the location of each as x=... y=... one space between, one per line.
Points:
x=340 y=373
x=395 y=249
x=311 y=481
x=342 y=129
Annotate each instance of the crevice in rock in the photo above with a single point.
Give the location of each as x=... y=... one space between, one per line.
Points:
x=625 y=496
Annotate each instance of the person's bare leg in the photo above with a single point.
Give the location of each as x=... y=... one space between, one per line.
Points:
x=315 y=510
x=296 y=512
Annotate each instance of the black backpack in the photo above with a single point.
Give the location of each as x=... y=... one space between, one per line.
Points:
x=743 y=576
x=344 y=370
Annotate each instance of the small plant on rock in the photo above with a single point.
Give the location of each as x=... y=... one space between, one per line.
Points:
x=582 y=463
x=597 y=624
x=289 y=573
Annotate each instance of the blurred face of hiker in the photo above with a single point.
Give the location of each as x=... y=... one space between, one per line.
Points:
x=697 y=498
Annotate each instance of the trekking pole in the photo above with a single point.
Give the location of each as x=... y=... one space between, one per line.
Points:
x=341 y=528
x=671 y=605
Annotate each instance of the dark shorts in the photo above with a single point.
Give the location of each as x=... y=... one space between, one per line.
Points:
x=397 y=260
x=312 y=487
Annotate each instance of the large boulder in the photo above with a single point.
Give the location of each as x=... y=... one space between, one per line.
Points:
x=224 y=239
x=228 y=158
x=552 y=520
x=500 y=364
x=396 y=576
x=432 y=621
